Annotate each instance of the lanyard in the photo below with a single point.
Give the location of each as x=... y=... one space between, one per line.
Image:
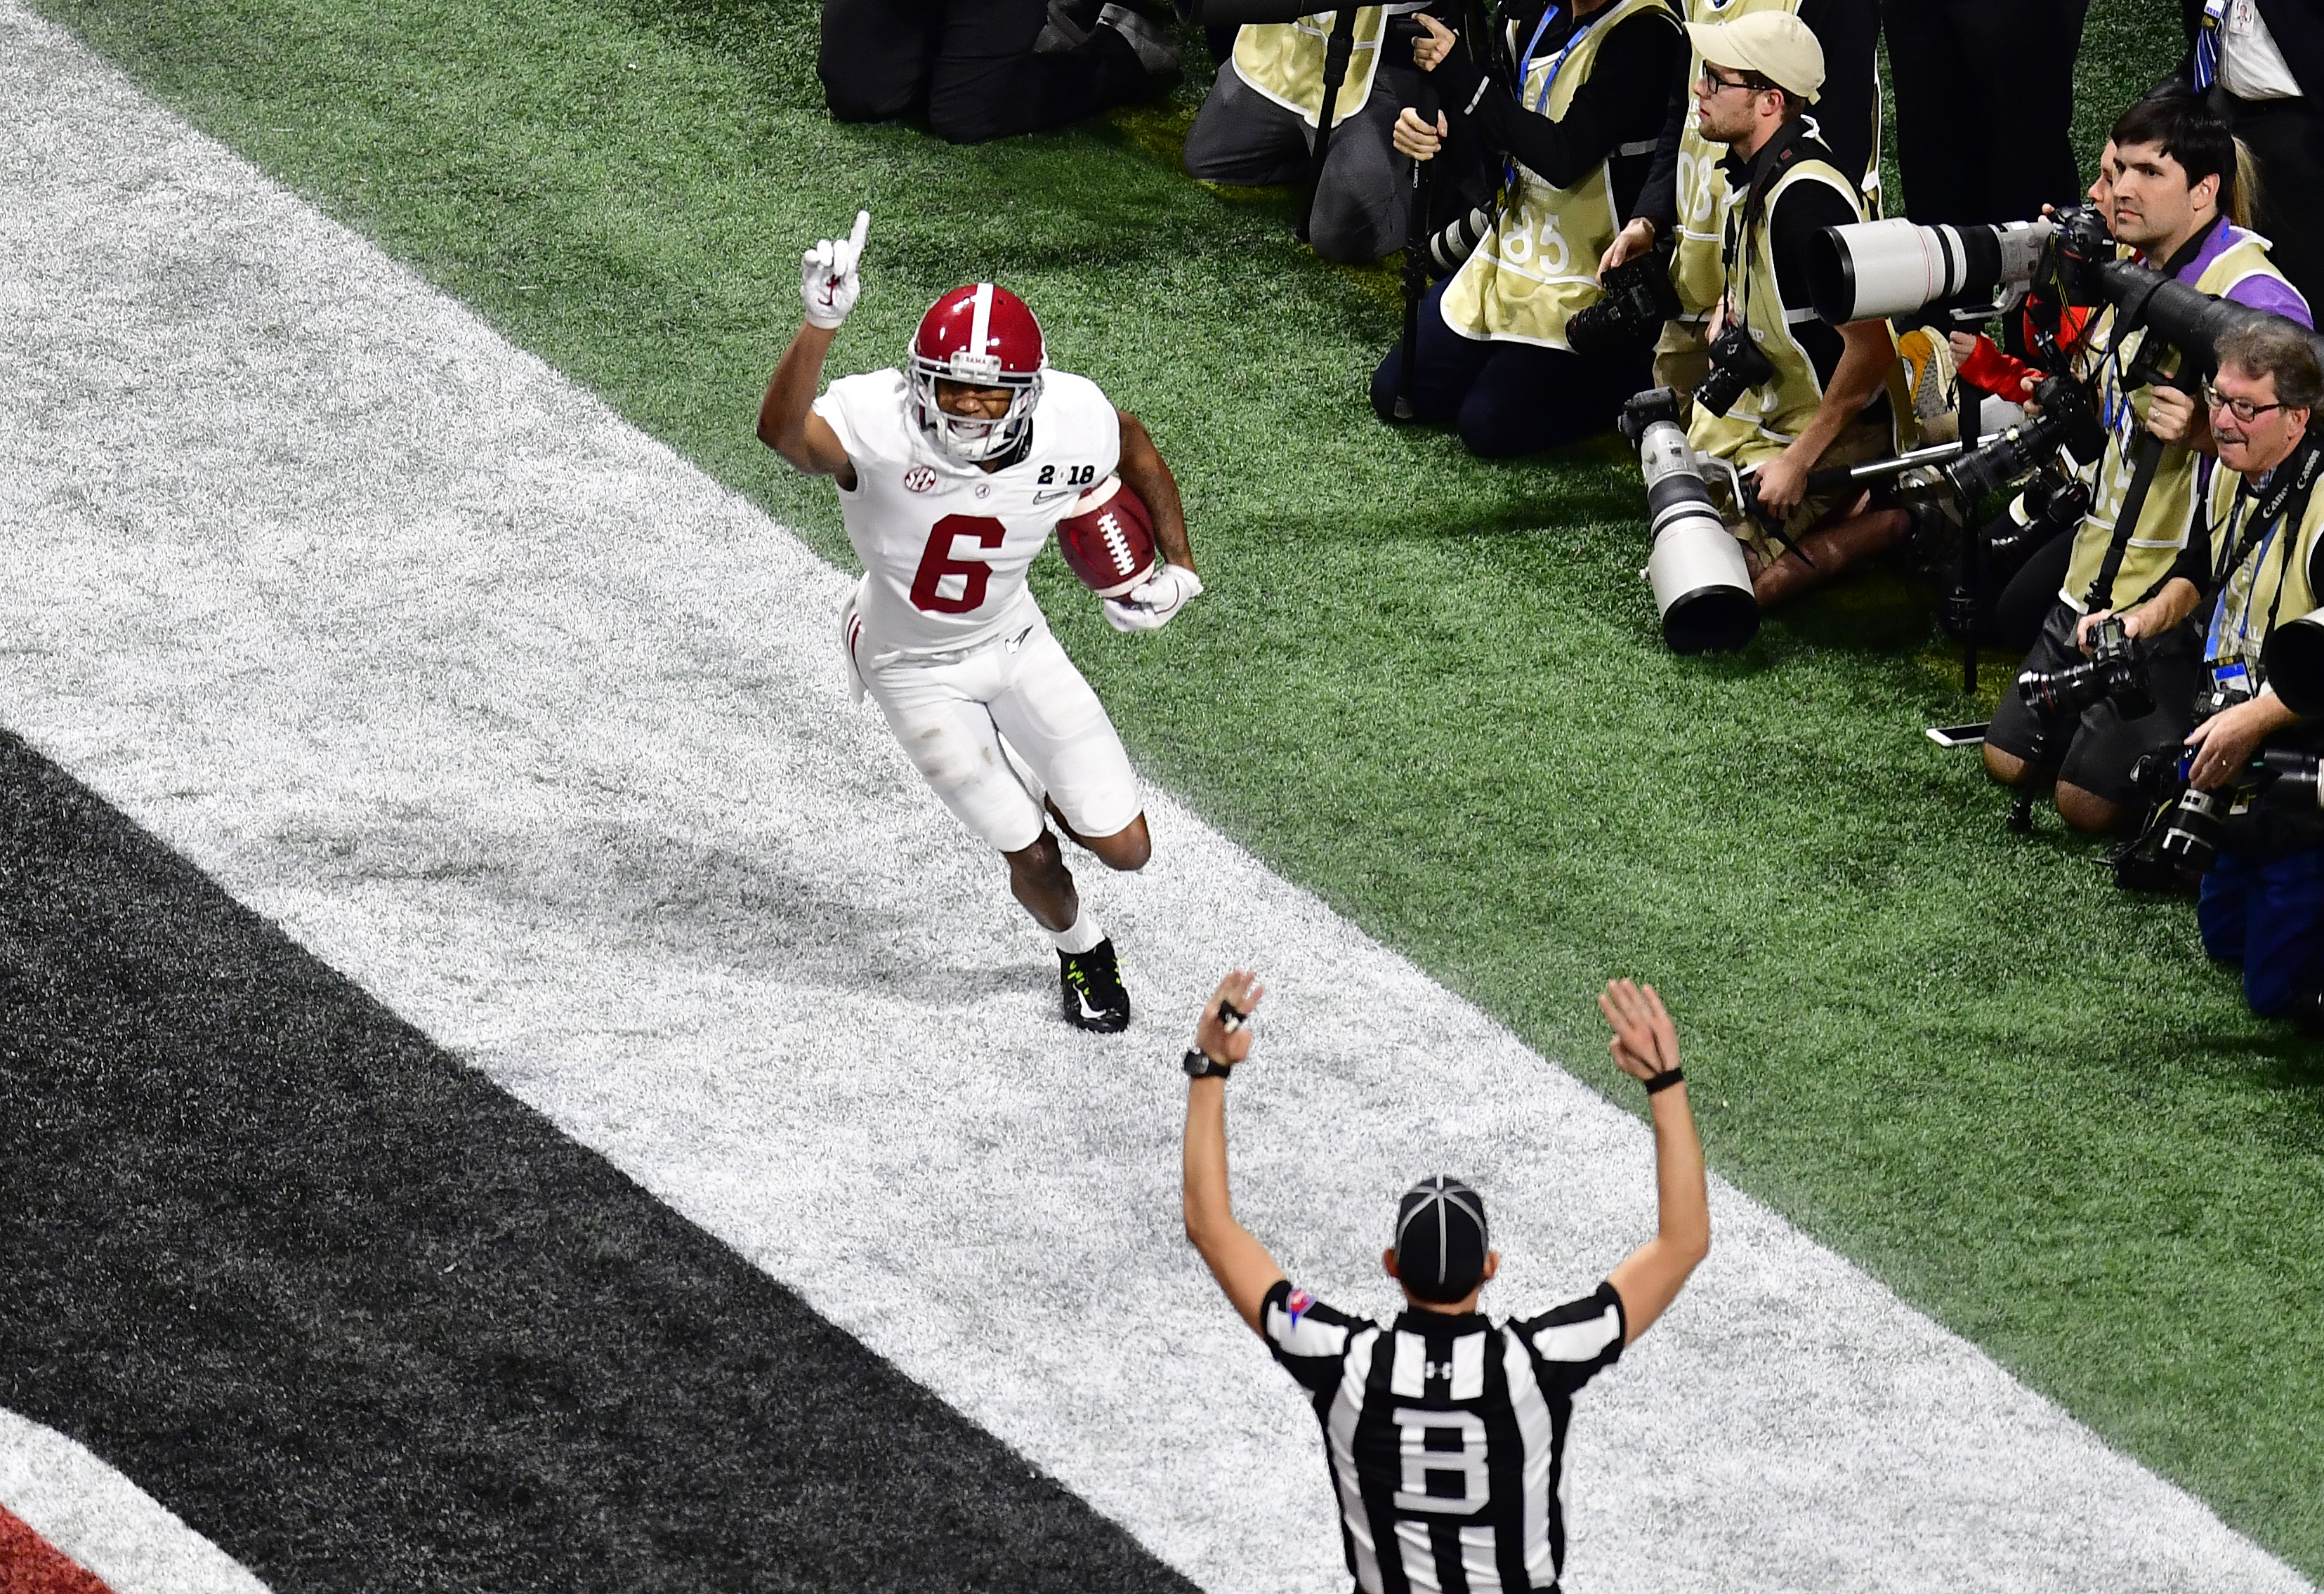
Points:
x=1541 y=101
x=2285 y=504
x=2263 y=534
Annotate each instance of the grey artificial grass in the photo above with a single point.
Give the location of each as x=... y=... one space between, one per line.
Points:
x=1429 y=687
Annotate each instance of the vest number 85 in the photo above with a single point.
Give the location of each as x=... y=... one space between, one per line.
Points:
x=1425 y=1462
x=936 y=563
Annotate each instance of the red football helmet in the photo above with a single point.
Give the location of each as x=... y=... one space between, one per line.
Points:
x=985 y=336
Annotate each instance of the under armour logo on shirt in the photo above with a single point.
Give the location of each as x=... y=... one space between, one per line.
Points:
x=1437 y=1370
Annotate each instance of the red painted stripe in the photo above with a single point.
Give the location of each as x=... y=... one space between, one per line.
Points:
x=30 y=1564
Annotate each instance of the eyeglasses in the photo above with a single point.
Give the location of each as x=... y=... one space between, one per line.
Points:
x=1718 y=83
x=2243 y=409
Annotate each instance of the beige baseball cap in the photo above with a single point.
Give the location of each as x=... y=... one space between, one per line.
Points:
x=1776 y=44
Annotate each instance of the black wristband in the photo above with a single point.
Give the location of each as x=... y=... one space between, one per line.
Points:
x=1200 y=1065
x=1664 y=1080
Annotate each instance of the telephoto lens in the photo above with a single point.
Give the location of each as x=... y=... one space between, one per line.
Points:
x=1458 y=240
x=2298 y=777
x=1703 y=588
x=2114 y=672
x=2293 y=659
x=1896 y=267
x=2066 y=422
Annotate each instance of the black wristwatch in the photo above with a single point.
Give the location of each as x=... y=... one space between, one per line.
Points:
x=1200 y=1065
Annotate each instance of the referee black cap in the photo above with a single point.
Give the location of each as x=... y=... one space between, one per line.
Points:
x=1440 y=1238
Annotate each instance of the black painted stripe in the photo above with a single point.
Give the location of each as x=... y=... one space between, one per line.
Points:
x=366 y=1322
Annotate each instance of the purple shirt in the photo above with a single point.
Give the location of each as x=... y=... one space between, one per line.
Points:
x=2258 y=290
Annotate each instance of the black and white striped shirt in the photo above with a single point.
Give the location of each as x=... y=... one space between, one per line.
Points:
x=1446 y=1436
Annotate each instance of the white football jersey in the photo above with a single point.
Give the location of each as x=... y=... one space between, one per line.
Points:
x=945 y=545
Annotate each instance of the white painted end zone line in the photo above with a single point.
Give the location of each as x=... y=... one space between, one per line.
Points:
x=60 y=1490
x=520 y=721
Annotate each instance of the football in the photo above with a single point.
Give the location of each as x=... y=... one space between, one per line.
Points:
x=1108 y=538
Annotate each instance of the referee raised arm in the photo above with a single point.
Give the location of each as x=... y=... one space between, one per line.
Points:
x=1444 y=1433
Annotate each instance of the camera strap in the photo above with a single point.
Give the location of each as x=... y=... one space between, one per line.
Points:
x=1777 y=156
x=2142 y=467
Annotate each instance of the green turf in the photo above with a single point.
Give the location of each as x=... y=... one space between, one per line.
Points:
x=1430 y=688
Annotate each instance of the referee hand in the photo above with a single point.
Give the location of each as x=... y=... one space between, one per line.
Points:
x=1241 y=991
x=1645 y=1041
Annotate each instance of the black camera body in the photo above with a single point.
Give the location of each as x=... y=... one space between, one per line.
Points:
x=2115 y=672
x=2081 y=243
x=2056 y=500
x=1737 y=366
x=1639 y=298
x=2192 y=821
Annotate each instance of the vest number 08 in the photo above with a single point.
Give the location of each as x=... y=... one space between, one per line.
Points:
x=1412 y=1428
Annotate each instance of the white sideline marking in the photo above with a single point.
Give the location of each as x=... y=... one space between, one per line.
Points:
x=60 y=1490
x=517 y=718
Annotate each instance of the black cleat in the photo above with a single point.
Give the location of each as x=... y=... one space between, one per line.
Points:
x=1094 y=999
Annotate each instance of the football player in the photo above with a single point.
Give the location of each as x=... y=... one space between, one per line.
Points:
x=951 y=473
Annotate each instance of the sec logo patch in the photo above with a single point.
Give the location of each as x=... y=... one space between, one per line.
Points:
x=919 y=479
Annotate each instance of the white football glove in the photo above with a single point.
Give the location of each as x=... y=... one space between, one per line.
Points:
x=1151 y=604
x=828 y=282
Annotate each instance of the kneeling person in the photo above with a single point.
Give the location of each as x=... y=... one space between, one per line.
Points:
x=952 y=475
x=1491 y=355
x=1256 y=127
x=2257 y=560
x=1791 y=394
x=2171 y=190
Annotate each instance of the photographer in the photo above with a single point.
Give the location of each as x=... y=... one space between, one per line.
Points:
x=2256 y=558
x=1256 y=127
x=2174 y=161
x=983 y=70
x=1787 y=393
x=1490 y=347
x=2025 y=548
x=1683 y=207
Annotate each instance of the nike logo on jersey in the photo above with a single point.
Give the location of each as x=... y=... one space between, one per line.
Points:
x=1057 y=493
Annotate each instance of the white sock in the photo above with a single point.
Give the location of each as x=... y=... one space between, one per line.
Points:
x=1085 y=934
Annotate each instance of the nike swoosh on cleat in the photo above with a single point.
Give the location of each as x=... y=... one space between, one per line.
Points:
x=1088 y=1011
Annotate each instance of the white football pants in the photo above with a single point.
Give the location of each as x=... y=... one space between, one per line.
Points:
x=951 y=711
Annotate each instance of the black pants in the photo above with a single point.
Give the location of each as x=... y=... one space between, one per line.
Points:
x=1242 y=138
x=2286 y=137
x=2028 y=597
x=2096 y=751
x=1985 y=102
x=969 y=64
x=1507 y=399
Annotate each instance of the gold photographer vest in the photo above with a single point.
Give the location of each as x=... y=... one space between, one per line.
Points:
x=1285 y=62
x=2264 y=583
x=1767 y=418
x=2170 y=508
x=1703 y=199
x=1540 y=263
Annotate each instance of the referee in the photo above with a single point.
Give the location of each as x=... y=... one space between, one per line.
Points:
x=1444 y=1433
